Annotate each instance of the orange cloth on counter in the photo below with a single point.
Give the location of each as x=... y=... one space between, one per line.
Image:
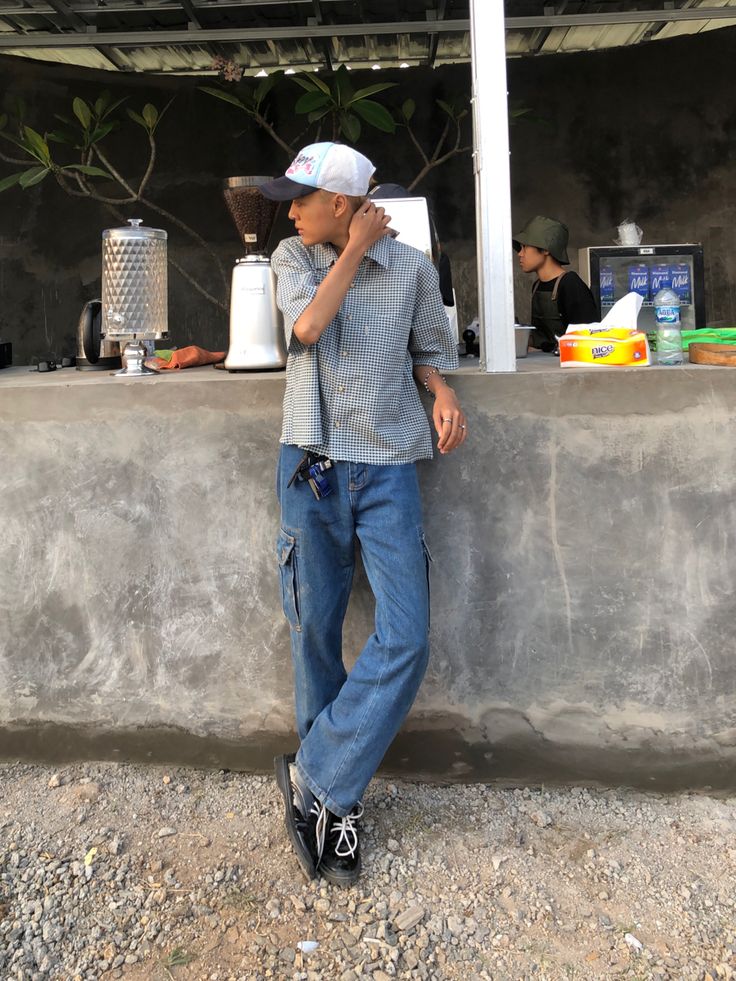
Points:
x=187 y=357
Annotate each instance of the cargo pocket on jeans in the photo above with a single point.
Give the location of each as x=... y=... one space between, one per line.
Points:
x=427 y=562
x=286 y=548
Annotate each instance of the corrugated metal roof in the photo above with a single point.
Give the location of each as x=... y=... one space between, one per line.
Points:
x=184 y=36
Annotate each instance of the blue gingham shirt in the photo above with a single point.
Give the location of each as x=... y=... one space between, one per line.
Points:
x=352 y=396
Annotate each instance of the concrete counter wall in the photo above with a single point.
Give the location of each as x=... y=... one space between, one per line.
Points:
x=582 y=590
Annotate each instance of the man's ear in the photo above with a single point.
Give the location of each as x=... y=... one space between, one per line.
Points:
x=340 y=205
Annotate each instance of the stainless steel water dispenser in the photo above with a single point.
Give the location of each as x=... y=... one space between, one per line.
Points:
x=134 y=292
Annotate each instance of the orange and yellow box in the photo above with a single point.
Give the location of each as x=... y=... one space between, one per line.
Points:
x=604 y=346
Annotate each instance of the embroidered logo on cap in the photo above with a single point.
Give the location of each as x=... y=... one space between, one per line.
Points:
x=302 y=163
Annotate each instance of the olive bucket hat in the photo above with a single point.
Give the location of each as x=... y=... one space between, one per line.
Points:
x=545 y=233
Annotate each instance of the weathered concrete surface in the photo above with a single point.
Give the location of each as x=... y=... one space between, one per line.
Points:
x=582 y=609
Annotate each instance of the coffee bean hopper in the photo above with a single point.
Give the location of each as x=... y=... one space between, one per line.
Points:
x=134 y=293
x=256 y=326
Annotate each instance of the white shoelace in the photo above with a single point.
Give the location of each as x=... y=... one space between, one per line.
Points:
x=317 y=809
x=347 y=840
x=320 y=828
x=345 y=828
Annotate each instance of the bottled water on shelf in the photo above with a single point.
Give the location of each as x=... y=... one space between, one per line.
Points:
x=669 y=332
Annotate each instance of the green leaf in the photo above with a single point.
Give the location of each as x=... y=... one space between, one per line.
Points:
x=102 y=131
x=137 y=118
x=165 y=109
x=350 y=126
x=37 y=145
x=310 y=101
x=373 y=90
x=111 y=108
x=305 y=82
x=60 y=136
x=318 y=114
x=87 y=169
x=342 y=89
x=311 y=82
x=408 y=108
x=150 y=114
x=225 y=96
x=11 y=180
x=33 y=176
x=375 y=115
x=265 y=86
x=102 y=102
x=82 y=112
x=63 y=119
x=446 y=108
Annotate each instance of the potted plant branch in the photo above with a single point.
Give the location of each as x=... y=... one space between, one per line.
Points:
x=94 y=175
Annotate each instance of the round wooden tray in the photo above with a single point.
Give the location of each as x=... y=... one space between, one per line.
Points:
x=723 y=354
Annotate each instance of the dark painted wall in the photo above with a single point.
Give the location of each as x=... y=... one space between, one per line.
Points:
x=50 y=243
x=646 y=133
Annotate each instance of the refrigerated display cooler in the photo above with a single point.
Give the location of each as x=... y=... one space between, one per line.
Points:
x=612 y=271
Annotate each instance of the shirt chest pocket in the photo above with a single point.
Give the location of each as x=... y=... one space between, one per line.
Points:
x=379 y=325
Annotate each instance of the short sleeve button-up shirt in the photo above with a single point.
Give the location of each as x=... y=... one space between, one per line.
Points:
x=351 y=395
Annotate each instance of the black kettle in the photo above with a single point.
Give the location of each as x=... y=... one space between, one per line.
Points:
x=94 y=351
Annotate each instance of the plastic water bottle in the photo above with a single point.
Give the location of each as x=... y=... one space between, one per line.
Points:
x=669 y=333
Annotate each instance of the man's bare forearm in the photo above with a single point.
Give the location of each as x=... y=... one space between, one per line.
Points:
x=330 y=294
x=430 y=378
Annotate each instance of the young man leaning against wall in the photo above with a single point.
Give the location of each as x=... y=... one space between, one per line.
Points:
x=364 y=324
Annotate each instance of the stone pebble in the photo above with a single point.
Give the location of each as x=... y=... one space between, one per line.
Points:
x=464 y=882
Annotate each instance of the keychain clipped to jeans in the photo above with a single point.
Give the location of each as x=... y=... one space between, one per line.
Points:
x=312 y=469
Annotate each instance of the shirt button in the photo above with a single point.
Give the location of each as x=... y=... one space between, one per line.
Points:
x=341 y=388
x=343 y=354
x=337 y=425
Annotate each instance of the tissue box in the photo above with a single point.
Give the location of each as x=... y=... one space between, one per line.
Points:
x=619 y=347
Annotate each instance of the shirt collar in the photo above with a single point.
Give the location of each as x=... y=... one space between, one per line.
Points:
x=380 y=252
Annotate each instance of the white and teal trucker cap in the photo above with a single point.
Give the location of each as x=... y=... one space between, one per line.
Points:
x=322 y=166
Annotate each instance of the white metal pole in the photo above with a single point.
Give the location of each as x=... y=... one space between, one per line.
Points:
x=492 y=186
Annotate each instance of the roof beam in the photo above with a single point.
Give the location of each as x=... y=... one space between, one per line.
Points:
x=190 y=11
x=543 y=20
x=86 y=36
x=154 y=6
x=68 y=15
x=139 y=39
x=434 y=39
x=622 y=17
x=324 y=42
x=73 y=20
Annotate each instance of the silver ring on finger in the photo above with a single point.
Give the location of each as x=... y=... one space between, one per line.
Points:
x=447 y=420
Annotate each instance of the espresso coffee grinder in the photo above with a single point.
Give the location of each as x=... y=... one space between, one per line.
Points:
x=256 y=325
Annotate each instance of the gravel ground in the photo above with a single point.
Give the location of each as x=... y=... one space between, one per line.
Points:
x=152 y=874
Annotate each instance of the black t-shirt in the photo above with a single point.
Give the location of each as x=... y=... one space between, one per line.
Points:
x=574 y=300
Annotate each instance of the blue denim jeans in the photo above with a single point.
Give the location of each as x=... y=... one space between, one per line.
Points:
x=346 y=722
